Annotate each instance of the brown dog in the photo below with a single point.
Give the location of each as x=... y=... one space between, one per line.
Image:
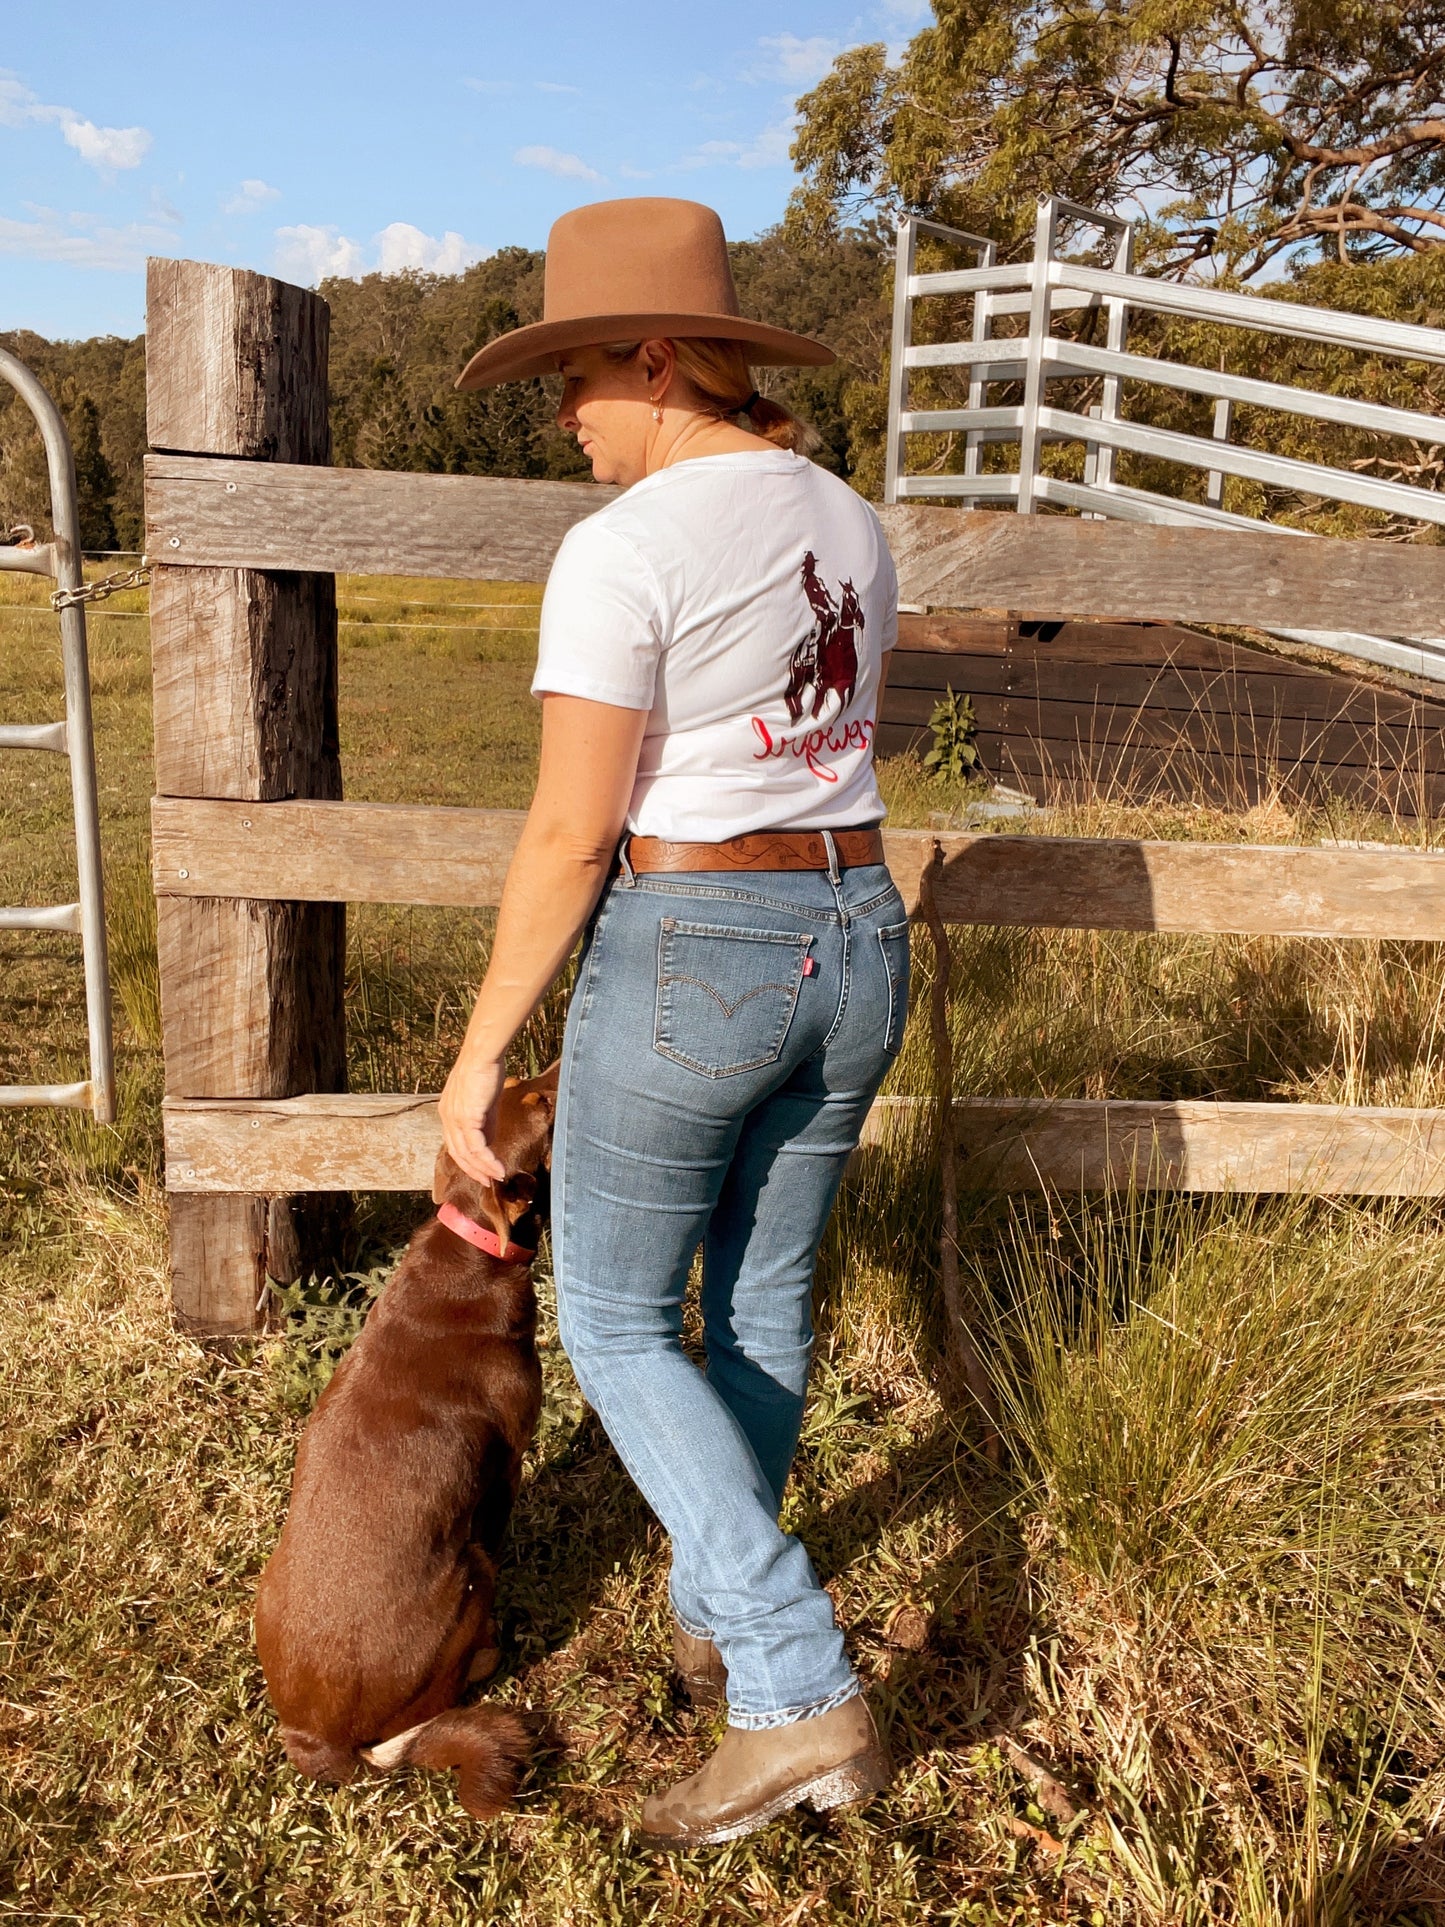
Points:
x=376 y=1608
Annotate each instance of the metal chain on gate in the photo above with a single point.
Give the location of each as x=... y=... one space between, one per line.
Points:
x=108 y=585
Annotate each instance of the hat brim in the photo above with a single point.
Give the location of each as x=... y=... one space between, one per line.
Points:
x=528 y=352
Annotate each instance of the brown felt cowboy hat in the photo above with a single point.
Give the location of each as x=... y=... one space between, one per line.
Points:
x=636 y=271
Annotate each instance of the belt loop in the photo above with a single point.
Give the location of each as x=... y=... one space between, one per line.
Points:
x=629 y=878
x=832 y=848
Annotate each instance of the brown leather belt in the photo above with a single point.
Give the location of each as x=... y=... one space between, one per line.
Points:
x=767 y=850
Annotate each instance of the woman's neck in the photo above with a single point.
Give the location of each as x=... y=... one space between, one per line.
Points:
x=686 y=436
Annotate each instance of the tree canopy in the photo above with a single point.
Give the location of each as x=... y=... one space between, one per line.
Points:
x=1243 y=130
x=397 y=342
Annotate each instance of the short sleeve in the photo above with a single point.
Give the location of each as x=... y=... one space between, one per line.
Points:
x=602 y=622
x=888 y=592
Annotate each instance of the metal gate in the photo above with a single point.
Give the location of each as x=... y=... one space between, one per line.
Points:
x=1049 y=286
x=60 y=560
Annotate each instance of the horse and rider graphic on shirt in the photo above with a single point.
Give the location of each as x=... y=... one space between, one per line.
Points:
x=823 y=665
x=826 y=660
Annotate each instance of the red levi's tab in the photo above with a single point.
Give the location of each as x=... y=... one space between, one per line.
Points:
x=481 y=1236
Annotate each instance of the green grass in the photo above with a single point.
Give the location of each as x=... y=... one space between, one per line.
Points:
x=1202 y=1585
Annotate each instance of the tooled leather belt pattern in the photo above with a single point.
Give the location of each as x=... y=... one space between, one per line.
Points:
x=766 y=850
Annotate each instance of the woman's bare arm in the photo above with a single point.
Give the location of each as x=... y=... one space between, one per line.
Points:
x=584 y=783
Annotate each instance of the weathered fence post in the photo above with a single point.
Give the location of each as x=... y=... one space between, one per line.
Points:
x=245 y=709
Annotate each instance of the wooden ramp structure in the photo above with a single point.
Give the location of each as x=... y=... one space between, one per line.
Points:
x=256 y=852
x=1147 y=709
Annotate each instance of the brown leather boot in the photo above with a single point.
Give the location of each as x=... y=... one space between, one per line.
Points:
x=700 y=1667
x=832 y=1760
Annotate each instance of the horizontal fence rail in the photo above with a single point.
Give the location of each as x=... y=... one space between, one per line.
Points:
x=371 y=521
x=1082 y=1144
x=415 y=853
x=206 y=512
x=389 y=1143
x=372 y=852
x=1058 y=567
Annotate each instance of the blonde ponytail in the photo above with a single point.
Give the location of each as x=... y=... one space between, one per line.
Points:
x=717 y=372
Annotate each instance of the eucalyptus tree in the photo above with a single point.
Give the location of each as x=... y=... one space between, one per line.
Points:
x=1242 y=130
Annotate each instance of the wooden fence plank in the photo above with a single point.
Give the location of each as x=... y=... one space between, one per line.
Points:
x=1082 y=1144
x=389 y=1143
x=202 y=512
x=1063 y=566
x=358 y=1142
x=332 y=852
x=1298 y=745
x=361 y=520
x=410 y=853
x=1252 y=694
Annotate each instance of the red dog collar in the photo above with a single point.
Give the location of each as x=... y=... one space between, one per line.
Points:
x=480 y=1236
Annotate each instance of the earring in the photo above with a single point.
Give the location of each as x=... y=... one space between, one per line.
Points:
x=656 y=411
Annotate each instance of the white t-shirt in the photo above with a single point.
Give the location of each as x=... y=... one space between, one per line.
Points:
x=745 y=601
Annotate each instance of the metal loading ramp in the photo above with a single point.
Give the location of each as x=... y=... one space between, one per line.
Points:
x=1048 y=286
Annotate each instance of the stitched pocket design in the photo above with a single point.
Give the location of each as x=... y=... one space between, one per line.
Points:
x=725 y=997
x=893 y=941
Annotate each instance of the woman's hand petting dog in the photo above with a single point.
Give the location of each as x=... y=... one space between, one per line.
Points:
x=376 y=1608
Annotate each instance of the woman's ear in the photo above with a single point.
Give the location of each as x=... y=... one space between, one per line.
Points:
x=659 y=364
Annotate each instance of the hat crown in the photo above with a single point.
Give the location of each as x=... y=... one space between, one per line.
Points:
x=648 y=255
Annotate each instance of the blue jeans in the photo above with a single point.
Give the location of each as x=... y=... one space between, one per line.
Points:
x=725 y=1040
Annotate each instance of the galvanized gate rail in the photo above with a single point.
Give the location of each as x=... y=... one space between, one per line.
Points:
x=1049 y=285
x=60 y=560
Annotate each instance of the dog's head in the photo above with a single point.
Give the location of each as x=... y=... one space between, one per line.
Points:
x=515 y=1204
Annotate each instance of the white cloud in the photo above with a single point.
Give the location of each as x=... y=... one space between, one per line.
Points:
x=555 y=87
x=551 y=160
x=403 y=246
x=799 y=61
x=106 y=148
x=767 y=149
x=83 y=241
x=309 y=254
x=770 y=149
x=491 y=86
x=250 y=196
x=905 y=13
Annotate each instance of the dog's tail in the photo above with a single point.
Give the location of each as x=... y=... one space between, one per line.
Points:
x=487 y=1745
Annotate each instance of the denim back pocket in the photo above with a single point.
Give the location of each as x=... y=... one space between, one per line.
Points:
x=725 y=997
x=893 y=941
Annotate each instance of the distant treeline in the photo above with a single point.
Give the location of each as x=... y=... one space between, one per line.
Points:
x=397 y=343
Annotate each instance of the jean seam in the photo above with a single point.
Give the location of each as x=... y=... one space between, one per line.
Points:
x=846 y=973
x=893 y=1036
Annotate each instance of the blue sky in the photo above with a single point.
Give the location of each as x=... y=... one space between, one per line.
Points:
x=314 y=139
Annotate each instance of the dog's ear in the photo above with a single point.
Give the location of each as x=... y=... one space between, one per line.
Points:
x=444 y=1175
x=520 y=1189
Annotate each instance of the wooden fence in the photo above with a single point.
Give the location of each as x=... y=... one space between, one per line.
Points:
x=255 y=853
x=1146 y=709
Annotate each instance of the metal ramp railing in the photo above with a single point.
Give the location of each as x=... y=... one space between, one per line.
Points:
x=60 y=560
x=1049 y=285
